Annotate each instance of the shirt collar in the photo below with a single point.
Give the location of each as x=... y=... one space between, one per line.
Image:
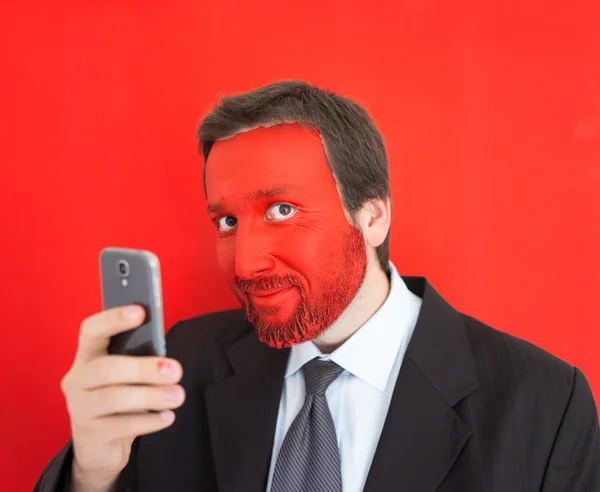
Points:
x=379 y=339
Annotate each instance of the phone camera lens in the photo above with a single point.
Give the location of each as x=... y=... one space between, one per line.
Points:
x=123 y=268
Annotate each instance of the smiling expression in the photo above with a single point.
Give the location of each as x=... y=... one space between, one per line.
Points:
x=284 y=242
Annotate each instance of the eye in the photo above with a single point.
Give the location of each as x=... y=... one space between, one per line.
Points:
x=226 y=223
x=280 y=212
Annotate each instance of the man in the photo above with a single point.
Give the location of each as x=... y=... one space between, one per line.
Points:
x=337 y=374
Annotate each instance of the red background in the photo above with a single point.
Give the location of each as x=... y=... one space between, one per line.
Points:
x=490 y=111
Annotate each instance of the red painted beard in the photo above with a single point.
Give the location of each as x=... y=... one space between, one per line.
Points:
x=310 y=314
x=285 y=244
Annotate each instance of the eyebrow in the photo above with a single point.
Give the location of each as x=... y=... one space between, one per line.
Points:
x=252 y=197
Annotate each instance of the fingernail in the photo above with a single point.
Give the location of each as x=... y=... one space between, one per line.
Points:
x=131 y=313
x=166 y=369
x=174 y=394
x=167 y=416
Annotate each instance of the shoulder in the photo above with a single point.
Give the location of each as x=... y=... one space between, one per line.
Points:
x=209 y=332
x=510 y=364
x=532 y=391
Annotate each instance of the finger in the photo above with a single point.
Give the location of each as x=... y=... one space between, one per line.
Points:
x=131 y=399
x=95 y=332
x=111 y=370
x=115 y=427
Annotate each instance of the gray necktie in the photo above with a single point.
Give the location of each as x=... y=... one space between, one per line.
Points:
x=309 y=458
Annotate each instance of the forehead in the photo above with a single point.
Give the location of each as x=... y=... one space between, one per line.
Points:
x=276 y=156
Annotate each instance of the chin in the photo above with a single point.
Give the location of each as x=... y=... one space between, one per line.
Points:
x=284 y=332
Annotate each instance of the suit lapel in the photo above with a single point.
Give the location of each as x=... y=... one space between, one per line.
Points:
x=242 y=414
x=422 y=434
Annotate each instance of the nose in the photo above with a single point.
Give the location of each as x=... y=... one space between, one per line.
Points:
x=253 y=257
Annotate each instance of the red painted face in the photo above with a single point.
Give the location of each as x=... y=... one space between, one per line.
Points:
x=285 y=246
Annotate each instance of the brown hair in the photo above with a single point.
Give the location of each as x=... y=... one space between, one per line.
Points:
x=353 y=145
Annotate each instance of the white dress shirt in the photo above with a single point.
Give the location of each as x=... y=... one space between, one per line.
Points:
x=359 y=398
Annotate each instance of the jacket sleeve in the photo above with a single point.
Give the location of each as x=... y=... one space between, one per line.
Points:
x=56 y=477
x=574 y=463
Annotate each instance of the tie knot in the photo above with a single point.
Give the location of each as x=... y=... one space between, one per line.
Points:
x=319 y=374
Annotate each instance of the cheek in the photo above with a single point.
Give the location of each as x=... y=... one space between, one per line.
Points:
x=226 y=257
x=315 y=246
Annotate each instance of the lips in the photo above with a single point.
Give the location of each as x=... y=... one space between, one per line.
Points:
x=270 y=292
x=274 y=302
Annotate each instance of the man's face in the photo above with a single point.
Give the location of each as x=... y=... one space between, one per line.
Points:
x=284 y=245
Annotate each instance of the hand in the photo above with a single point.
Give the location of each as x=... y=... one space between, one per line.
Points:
x=109 y=398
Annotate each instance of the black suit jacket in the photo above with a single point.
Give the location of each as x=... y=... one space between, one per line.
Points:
x=474 y=409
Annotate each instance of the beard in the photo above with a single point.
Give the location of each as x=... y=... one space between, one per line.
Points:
x=333 y=288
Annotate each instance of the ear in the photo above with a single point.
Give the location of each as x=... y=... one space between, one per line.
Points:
x=374 y=220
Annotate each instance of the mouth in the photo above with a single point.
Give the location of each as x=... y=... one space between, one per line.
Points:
x=270 y=292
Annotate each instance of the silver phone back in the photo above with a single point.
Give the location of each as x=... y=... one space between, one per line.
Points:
x=140 y=285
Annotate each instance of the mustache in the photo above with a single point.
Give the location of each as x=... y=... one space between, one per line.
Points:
x=266 y=283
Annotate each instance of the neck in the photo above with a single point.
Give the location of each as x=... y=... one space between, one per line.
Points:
x=370 y=296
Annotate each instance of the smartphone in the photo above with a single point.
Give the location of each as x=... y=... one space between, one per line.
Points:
x=130 y=276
